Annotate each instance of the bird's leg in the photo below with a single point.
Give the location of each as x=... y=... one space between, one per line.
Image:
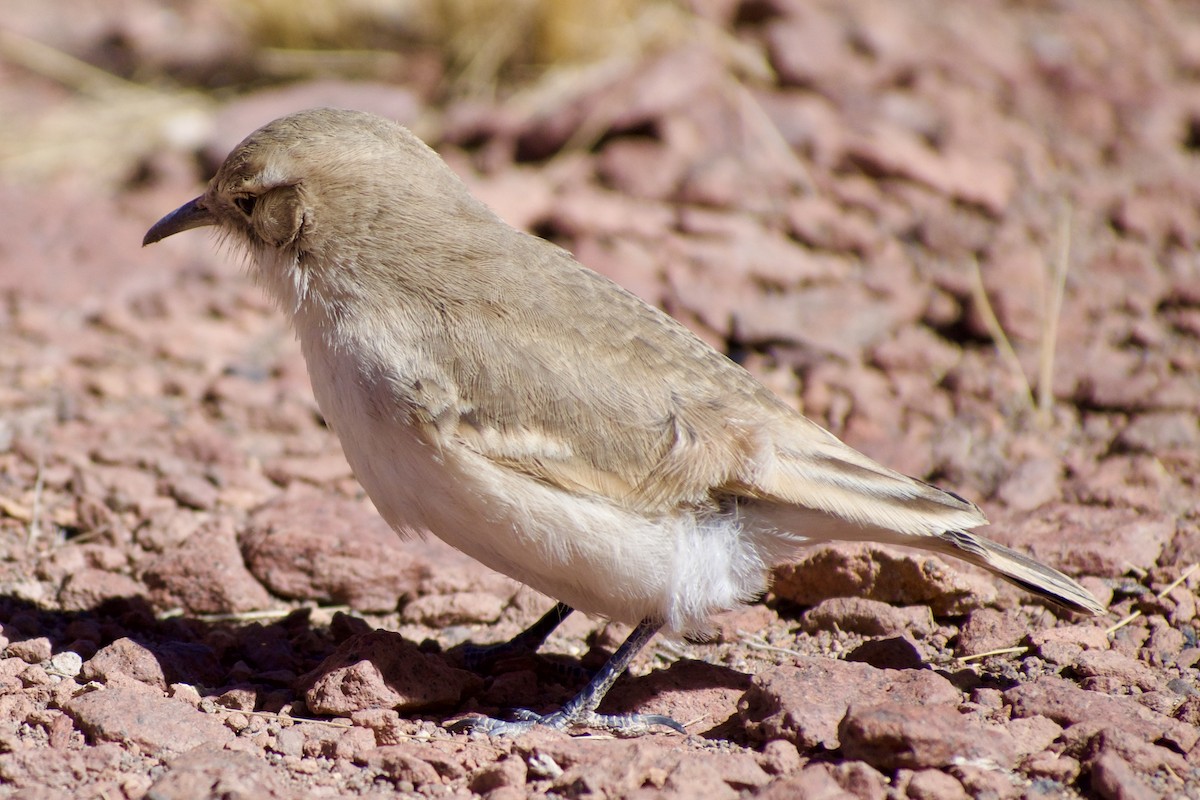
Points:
x=477 y=657
x=581 y=709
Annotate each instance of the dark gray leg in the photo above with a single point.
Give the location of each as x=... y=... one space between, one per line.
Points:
x=480 y=657
x=581 y=709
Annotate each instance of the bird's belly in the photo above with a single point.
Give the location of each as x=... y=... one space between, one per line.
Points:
x=586 y=551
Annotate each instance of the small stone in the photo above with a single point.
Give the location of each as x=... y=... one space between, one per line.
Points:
x=34 y=650
x=384 y=670
x=1052 y=766
x=222 y=772
x=205 y=574
x=460 y=608
x=891 y=736
x=1125 y=670
x=401 y=762
x=67 y=663
x=155 y=724
x=988 y=629
x=868 y=617
x=508 y=772
x=1114 y=779
x=932 y=784
x=308 y=545
x=804 y=702
x=877 y=573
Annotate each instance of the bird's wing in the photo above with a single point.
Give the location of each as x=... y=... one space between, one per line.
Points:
x=657 y=419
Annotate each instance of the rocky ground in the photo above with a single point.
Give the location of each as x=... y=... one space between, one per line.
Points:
x=871 y=205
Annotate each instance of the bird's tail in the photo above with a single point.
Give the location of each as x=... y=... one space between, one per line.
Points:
x=1015 y=567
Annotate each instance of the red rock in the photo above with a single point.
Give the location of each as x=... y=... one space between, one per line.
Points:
x=384 y=723
x=621 y=768
x=323 y=741
x=634 y=264
x=191 y=491
x=895 y=736
x=129 y=658
x=878 y=573
x=1165 y=642
x=205 y=574
x=315 y=546
x=1092 y=637
x=1067 y=704
x=987 y=629
x=868 y=617
x=893 y=152
x=810 y=52
x=221 y=773
x=735 y=625
x=461 y=608
x=508 y=772
x=1088 y=539
x=1053 y=766
x=1125 y=670
x=154 y=724
x=915 y=348
x=1161 y=433
x=932 y=784
x=1114 y=779
x=31 y=651
x=520 y=197
x=1150 y=758
x=324 y=469
x=688 y=691
x=861 y=779
x=1033 y=734
x=402 y=762
x=383 y=670
x=805 y=702
x=816 y=317
x=780 y=757
x=590 y=210
x=813 y=782
x=641 y=167
x=1032 y=484
x=89 y=587
x=984 y=781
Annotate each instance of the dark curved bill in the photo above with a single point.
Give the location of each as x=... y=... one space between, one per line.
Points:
x=191 y=214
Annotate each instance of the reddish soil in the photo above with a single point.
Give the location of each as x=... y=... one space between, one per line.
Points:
x=191 y=580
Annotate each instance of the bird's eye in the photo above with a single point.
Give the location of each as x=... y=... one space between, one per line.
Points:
x=246 y=203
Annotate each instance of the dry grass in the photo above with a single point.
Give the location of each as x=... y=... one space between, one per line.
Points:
x=111 y=125
x=486 y=45
x=1054 y=289
x=489 y=48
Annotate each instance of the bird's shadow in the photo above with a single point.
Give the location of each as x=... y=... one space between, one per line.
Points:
x=278 y=660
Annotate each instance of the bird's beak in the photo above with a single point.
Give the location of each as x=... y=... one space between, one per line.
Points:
x=192 y=214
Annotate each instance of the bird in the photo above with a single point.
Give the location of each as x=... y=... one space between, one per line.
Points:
x=489 y=389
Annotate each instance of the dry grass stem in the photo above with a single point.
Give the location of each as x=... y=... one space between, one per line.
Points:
x=1128 y=618
x=35 y=515
x=110 y=127
x=1051 y=317
x=758 y=644
x=253 y=616
x=999 y=652
x=996 y=330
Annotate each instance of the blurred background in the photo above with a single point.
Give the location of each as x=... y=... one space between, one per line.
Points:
x=960 y=235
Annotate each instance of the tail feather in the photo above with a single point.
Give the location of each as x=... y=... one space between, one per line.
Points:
x=1019 y=569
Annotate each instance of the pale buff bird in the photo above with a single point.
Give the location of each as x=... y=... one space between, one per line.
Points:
x=488 y=388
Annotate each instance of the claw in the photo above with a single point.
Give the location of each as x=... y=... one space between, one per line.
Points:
x=619 y=724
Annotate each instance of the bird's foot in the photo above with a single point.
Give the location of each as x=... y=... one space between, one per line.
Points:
x=619 y=724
